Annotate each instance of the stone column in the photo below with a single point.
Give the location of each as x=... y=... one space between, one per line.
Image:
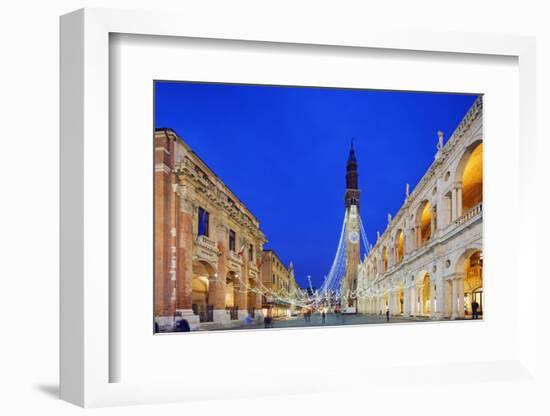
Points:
x=460 y=294
x=173 y=249
x=440 y=296
x=458 y=186
x=443 y=205
x=398 y=301
x=422 y=304
x=371 y=304
x=414 y=303
x=453 y=298
x=453 y=205
x=258 y=306
x=243 y=302
x=240 y=296
x=448 y=297
x=220 y=314
x=185 y=255
x=406 y=311
x=165 y=252
x=432 y=299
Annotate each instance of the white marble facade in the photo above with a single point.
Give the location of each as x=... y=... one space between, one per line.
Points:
x=418 y=265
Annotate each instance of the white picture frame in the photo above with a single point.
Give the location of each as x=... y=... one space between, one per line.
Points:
x=86 y=355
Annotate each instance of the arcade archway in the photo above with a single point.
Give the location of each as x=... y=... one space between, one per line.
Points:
x=424 y=293
x=473 y=283
x=201 y=296
x=232 y=295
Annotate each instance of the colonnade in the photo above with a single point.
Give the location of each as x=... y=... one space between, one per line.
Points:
x=438 y=298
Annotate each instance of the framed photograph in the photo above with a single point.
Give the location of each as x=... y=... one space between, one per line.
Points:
x=216 y=262
x=236 y=205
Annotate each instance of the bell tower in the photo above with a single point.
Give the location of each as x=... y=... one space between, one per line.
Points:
x=351 y=199
x=352 y=180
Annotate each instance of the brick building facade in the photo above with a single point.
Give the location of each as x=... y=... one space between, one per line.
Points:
x=208 y=245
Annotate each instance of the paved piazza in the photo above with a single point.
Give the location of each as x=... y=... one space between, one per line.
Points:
x=332 y=319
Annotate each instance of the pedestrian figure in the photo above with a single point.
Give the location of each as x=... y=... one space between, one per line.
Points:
x=387 y=314
x=182 y=326
x=323 y=315
x=268 y=321
x=475 y=307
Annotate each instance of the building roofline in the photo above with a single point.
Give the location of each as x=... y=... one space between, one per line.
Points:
x=276 y=255
x=473 y=112
x=189 y=149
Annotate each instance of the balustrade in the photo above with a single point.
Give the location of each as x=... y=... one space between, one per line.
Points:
x=235 y=256
x=474 y=212
x=206 y=242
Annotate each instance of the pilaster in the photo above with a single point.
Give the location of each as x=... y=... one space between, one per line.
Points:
x=460 y=294
x=440 y=294
x=458 y=187
x=453 y=205
x=406 y=301
x=185 y=254
x=454 y=299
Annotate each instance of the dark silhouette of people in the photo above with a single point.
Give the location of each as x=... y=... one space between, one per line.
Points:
x=268 y=321
x=182 y=326
x=387 y=314
x=475 y=308
x=323 y=315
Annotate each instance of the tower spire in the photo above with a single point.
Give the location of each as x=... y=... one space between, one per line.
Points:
x=351 y=157
x=352 y=178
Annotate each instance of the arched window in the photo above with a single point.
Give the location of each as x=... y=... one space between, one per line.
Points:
x=384 y=259
x=472 y=179
x=425 y=222
x=399 y=246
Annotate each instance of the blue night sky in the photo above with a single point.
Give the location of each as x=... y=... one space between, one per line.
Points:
x=283 y=152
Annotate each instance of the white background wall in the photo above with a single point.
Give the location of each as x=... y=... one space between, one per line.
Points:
x=29 y=200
